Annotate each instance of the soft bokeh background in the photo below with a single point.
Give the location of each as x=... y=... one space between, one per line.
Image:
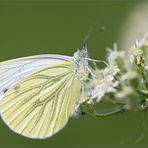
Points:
x=40 y=27
x=135 y=26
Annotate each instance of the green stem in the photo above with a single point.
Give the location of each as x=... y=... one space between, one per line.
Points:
x=89 y=108
x=145 y=80
x=112 y=111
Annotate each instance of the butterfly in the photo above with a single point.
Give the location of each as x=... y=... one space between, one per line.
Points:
x=39 y=94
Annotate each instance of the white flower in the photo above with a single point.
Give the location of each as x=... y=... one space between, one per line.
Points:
x=123 y=77
x=124 y=93
x=136 y=53
x=109 y=72
x=104 y=86
x=113 y=54
x=111 y=69
x=104 y=82
x=136 y=50
x=139 y=43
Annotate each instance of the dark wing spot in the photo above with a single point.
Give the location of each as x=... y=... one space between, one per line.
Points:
x=5 y=90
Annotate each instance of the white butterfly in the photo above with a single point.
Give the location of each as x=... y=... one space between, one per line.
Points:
x=39 y=93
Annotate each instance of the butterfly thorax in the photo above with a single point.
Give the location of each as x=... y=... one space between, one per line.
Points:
x=81 y=62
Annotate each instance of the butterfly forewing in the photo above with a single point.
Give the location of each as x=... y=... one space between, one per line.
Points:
x=41 y=104
x=13 y=71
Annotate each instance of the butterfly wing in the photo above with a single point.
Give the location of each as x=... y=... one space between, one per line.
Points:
x=13 y=71
x=41 y=104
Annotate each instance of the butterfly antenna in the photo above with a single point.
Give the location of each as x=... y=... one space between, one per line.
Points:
x=93 y=28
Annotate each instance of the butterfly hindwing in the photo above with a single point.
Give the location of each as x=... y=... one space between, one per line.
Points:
x=41 y=104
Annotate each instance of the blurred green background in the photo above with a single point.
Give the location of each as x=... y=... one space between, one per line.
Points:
x=46 y=27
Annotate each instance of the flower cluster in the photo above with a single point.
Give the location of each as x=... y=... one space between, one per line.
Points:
x=124 y=80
